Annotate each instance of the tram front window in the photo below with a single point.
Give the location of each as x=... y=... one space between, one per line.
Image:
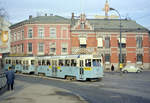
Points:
x=88 y=62
x=96 y=62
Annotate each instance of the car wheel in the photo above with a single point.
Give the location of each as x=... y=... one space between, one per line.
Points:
x=125 y=71
x=138 y=71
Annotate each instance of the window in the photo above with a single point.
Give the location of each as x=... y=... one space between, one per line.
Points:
x=96 y=62
x=53 y=32
x=64 y=50
x=107 y=57
x=123 y=58
x=61 y=62
x=139 y=57
x=64 y=47
x=41 y=47
x=22 y=47
x=82 y=25
x=99 y=42
x=30 y=33
x=73 y=62
x=15 y=36
x=123 y=42
x=88 y=62
x=67 y=62
x=52 y=47
x=29 y=47
x=82 y=42
x=41 y=32
x=107 y=42
x=32 y=62
x=22 y=34
x=139 y=42
x=18 y=36
x=53 y=50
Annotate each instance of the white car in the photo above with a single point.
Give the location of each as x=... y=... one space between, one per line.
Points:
x=130 y=68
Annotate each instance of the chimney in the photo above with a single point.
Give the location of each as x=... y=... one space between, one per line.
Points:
x=45 y=14
x=72 y=16
x=30 y=16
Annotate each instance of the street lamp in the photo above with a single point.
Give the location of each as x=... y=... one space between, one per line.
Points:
x=120 y=61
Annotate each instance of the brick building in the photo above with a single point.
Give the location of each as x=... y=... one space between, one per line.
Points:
x=55 y=35
x=43 y=35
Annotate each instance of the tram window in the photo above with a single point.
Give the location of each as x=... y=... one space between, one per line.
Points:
x=54 y=62
x=43 y=62
x=73 y=62
x=13 y=62
x=17 y=62
x=88 y=62
x=27 y=63
x=48 y=62
x=39 y=62
x=67 y=62
x=24 y=62
x=61 y=63
x=32 y=62
x=9 y=61
x=96 y=62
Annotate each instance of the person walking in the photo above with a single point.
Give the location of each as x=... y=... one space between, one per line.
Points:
x=10 y=75
x=112 y=68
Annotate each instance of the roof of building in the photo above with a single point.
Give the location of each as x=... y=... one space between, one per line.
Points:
x=98 y=24
x=114 y=24
x=43 y=20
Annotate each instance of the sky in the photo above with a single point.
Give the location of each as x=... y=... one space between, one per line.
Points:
x=19 y=10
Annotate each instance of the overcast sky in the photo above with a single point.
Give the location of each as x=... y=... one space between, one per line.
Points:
x=18 y=10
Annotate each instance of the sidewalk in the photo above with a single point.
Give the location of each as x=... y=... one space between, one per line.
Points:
x=37 y=93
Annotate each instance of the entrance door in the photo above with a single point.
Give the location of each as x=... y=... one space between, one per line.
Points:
x=81 y=71
x=54 y=68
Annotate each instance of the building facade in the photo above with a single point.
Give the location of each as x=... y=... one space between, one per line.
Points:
x=55 y=35
x=45 y=35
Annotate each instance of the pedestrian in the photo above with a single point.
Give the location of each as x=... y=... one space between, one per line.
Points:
x=112 y=68
x=10 y=75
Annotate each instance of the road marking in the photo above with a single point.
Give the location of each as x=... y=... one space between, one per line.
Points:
x=115 y=96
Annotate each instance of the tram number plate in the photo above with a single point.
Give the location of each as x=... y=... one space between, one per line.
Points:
x=87 y=68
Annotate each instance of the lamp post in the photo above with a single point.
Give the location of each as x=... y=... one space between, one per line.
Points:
x=120 y=61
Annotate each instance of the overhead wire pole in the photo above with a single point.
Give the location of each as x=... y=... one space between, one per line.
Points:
x=120 y=61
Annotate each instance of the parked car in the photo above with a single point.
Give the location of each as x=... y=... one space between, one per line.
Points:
x=130 y=68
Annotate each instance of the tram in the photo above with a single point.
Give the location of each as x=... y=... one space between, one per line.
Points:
x=72 y=67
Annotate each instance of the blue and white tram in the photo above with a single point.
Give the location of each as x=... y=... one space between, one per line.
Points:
x=72 y=67
x=28 y=65
x=79 y=67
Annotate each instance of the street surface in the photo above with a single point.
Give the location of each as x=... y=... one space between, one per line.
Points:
x=114 y=88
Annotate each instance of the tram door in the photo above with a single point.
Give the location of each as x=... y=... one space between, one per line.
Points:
x=81 y=71
x=54 y=68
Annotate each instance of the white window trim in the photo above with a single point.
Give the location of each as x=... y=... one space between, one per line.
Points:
x=43 y=48
x=28 y=48
x=28 y=32
x=99 y=42
x=50 y=32
x=39 y=35
x=82 y=40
